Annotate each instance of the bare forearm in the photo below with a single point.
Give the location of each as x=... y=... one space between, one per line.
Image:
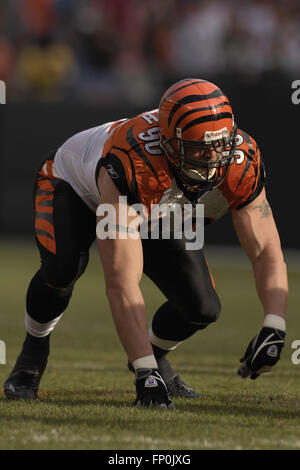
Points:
x=129 y=314
x=271 y=283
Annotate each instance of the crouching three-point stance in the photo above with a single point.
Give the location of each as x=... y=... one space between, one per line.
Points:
x=189 y=151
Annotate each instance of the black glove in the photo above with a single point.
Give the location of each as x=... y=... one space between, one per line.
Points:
x=151 y=389
x=262 y=353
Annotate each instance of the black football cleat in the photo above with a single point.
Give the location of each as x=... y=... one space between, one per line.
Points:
x=24 y=380
x=22 y=385
x=178 y=389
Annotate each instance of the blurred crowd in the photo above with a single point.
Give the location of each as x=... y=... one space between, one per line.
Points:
x=112 y=51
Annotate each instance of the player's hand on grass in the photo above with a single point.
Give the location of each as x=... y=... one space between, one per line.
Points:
x=262 y=353
x=151 y=389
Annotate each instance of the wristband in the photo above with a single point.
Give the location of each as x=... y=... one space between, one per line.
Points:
x=146 y=362
x=274 y=321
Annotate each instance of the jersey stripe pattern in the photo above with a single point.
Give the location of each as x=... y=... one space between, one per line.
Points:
x=44 y=197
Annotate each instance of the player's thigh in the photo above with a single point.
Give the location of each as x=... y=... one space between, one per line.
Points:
x=64 y=229
x=184 y=278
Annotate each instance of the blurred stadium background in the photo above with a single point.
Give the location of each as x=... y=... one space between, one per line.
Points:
x=73 y=64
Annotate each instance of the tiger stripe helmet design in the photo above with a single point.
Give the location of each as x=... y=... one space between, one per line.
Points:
x=195 y=114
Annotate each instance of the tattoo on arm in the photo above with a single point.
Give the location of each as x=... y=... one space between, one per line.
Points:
x=264 y=209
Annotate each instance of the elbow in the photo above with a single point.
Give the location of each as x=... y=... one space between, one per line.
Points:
x=270 y=252
x=271 y=258
x=113 y=286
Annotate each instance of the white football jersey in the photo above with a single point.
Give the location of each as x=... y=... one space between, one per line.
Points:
x=76 y=160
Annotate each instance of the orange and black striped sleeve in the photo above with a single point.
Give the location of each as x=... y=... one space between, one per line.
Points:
x=258 y=185
x=253 y=177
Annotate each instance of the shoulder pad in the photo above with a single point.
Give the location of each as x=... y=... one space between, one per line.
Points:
x=245 y=174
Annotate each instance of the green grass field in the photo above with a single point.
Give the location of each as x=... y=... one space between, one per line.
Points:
x=87 y=392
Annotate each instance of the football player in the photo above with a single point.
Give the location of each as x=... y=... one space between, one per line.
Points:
x=189 y=151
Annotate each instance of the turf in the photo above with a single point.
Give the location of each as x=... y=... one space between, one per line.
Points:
x=86 y=393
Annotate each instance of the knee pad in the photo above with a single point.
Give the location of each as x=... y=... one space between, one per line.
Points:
x=62 y=272
x=203 y=310
x=169 y=327
x=45 y=302
x=175 y=326
x=208 y=312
